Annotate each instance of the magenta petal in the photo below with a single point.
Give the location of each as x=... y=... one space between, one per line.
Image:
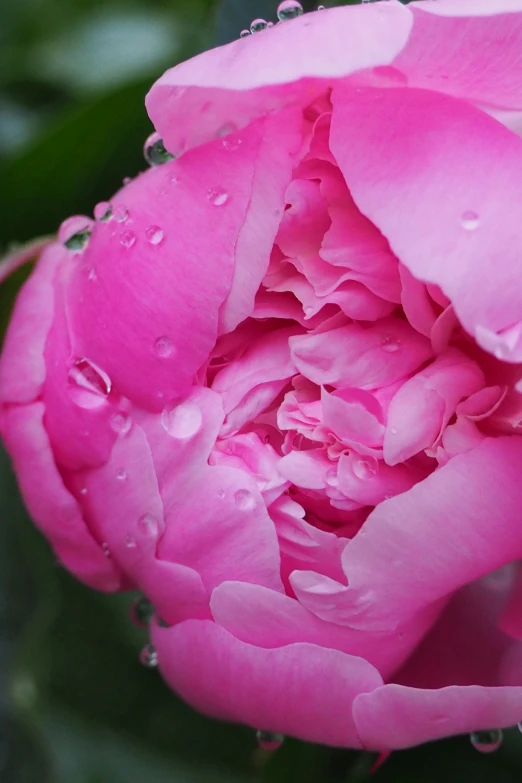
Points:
x=168 y=294
x=226 y=678
x=49 y=503
x=228 y=87
x=467 y=242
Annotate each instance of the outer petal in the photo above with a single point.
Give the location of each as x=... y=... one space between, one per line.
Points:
x=399 y=717
x=167 y=294
x=467 y=48
x=49 y=503
x=22 y=365
x=441 y=212
x=289 y=64
x=226 y=678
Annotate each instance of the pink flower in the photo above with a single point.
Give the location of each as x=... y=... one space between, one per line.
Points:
x=275 y=388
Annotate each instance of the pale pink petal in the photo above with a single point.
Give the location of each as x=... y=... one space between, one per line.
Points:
x=361 y=356
x=466 y=48
x=462 y=236
x=290 y=64
x=261 y=687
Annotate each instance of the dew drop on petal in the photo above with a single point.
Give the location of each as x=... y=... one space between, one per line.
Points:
x=103 y=211
x=121 y=422
x=258 y=25
x=106 y=550
x=127 y=180
x=331 y=478
x=217 y=197
x=221 y=494
x=269 y=740
x=182 y=421
x=127 y=238
x=320 y=7
x=83 y=491
x=149 y=656
x=120 y=213
x=154 y=235
x=75 y=232
x=244 y=499
x=141 y=611
x=129 y=541
x=244 y=33
x=88 y=384
x=486 y=741
x=121 y=475
x=365 y=468
x=289 y=9
x=155 y=152
x=164 y=347
x=469 y=220
x=390 y=344
x=148 y=525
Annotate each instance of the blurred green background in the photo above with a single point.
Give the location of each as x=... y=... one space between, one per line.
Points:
x=75 y=704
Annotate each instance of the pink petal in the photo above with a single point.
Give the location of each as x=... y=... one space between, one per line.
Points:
x=53 y=509
x=466 y=48
x=201 y=500
x=226 y=678
x=398 y=717
x=268 y=619
x=22 y=366
x=411 y=552
x=466 y=240
x=168 y=294
x=287 y=65
x=361 y=356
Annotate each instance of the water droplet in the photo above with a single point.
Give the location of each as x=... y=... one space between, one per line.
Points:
x=486 y=741
x=121 y=422
x=469 y=220
x=74 y=232
x=155 y=152
x=393 y=430
x=289 y=9
x=390 y=344
x=120 y=213
x=244 y=33
x=269 y=740
x=365 y=468
x=127 y=238
x=182 y=421
x=103 y=211
x=220 y=493
x=149 y=656
x=257 y=25
x=121 y=475
x=88 y=384
x=148 y=525
x=244 y=499
x=141 y=611
x=269 y=24
x=217 y=197
x=106 y=550
x=83 y=491
x=519 y=727
x=320 y=7
x=231 y=143
x=129 y=541
x=154 y=235
x=331 y=478
x=127 y=180
x=164 y=347
x=78 y=241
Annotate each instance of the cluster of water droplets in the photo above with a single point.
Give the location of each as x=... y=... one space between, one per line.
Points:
x=288 y=9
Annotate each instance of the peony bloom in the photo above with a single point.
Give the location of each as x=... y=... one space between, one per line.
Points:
x=273 y=385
